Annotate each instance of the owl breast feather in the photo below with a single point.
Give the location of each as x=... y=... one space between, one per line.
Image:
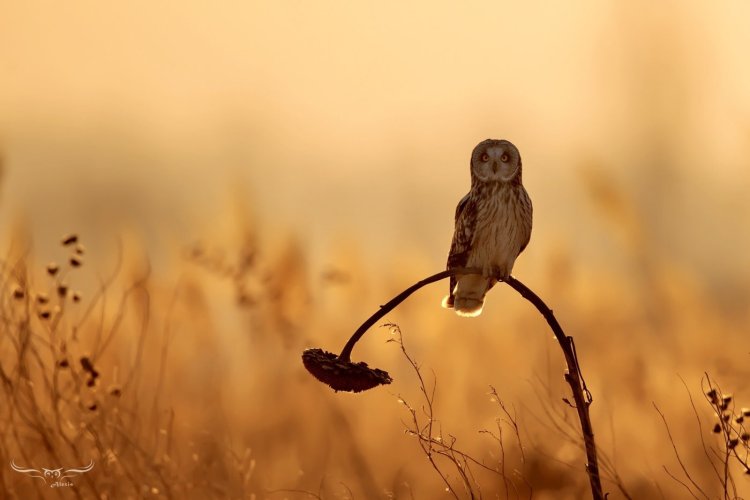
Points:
x=502 y=229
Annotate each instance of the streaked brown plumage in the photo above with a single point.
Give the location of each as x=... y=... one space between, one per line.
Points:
x=493 y=225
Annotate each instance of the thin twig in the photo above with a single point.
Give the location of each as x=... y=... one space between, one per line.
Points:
x=700 y=430
x=677 y=454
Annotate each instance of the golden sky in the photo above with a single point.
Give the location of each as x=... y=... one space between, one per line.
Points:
x=341 y=117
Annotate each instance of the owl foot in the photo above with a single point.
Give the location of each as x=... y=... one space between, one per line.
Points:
x=448 y=301
x=495 y=273
x=468 y=306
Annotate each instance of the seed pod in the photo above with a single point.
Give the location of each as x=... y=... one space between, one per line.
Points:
x=343 y=375
x=86 y=364
x=70 y=239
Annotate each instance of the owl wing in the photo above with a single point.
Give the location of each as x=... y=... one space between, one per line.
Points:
x=463 y=235
x=526 y=216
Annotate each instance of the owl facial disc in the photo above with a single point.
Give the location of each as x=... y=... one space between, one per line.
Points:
x=497 y=162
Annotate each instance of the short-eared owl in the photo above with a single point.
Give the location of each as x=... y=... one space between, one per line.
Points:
x=493 y=225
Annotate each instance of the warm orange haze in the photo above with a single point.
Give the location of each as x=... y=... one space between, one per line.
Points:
x=253 y=179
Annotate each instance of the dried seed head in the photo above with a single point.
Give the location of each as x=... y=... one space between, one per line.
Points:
x=712 y=395
x=92 y=407
x=76 y=261
x=52 y=269
x=76 y=297
x=45 y=314
x=62 y=290
x=115 y=391
x=91 y=382
x=717 y=428
x=745 y=437
x=732 y=443
x=739 y=419
x=726 y=398
x=70 y=239
x=18 y=293
x=343 y=375
x=63 y=363
x=725 y=417
x=746 y=412
x=86 y=364
x=42 y=298
x=80 y=249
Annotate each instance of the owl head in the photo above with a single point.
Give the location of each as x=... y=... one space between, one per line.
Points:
x=495 y=161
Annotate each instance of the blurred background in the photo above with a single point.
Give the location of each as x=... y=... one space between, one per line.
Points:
x=334 y=139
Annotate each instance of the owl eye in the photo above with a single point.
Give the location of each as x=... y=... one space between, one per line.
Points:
x=485 y=157
x=504 y=158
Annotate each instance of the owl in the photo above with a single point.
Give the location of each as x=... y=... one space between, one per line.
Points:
x=493 y=225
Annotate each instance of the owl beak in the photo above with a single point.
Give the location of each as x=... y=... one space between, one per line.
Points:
x=494 y=167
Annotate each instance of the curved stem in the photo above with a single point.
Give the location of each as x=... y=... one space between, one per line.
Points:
x=573 y=377
x=391 y=304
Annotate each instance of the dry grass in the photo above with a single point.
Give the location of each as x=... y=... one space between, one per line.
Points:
x=189 y=385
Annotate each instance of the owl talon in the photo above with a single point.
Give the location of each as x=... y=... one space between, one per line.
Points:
x=488 y=272
x=448 y=301
x=494 y=273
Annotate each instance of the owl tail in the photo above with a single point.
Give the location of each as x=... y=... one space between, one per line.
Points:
x=467 y=298
x=468 y=307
